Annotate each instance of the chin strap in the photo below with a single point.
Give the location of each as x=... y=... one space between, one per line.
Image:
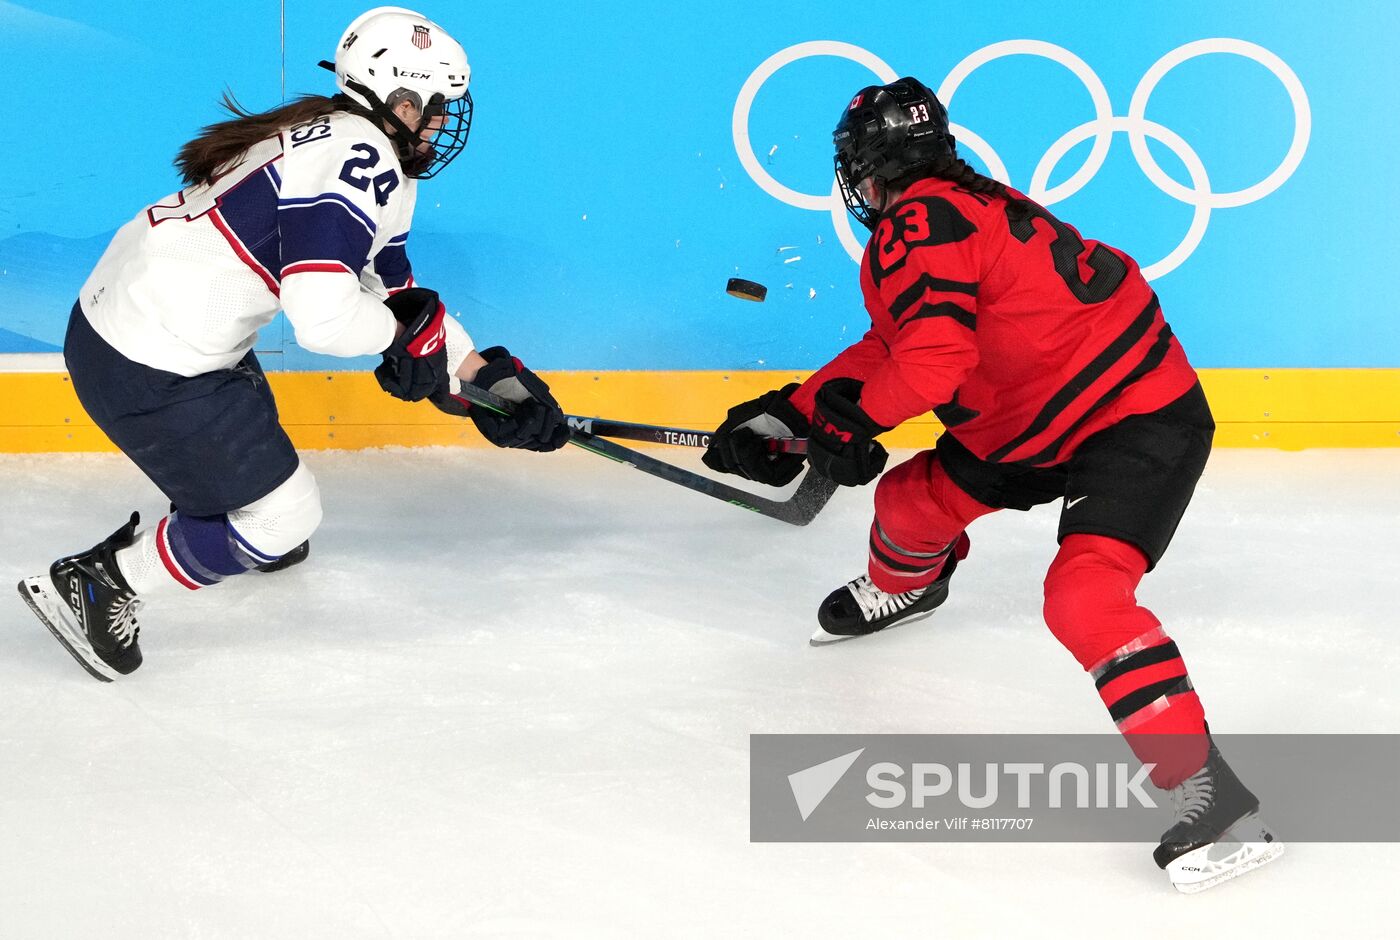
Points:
x=405 y=140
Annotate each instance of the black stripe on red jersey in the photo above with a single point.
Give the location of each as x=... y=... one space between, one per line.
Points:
x=914 y=298
x=944 y=309
x=1135 y=701
x=1086 y=377
x=925 y=284
x=1150 y=361
x=921 y=222
x=1148 y=657
x=954 y=413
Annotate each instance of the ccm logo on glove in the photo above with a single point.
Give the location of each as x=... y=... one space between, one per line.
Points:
x=428 y=344
x=415 y=364
x=832 y=430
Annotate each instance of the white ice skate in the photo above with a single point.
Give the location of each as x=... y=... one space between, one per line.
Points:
x=1247 y=845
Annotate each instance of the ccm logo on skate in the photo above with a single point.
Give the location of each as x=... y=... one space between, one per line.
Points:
x=75 y=601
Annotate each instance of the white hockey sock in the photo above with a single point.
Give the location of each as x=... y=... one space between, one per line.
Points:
x=140 y=564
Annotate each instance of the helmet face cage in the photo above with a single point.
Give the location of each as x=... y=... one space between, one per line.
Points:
x=856 y=205
x=450 y=139
x=446 y=143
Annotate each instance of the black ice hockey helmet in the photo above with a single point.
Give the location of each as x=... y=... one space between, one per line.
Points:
x=886 y=133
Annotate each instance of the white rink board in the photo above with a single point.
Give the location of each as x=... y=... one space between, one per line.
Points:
x=511 y=696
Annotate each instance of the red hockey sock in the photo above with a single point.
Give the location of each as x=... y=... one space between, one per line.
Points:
x=920 y=515
x=1091 y=607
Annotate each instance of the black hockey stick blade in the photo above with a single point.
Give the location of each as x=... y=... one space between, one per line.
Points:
x=799 y=509
x=665 y=434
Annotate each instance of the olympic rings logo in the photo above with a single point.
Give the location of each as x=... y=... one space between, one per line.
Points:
x=1105 y=124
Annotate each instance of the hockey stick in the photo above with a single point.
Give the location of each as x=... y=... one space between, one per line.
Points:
x=664 y=434
x=799 y=509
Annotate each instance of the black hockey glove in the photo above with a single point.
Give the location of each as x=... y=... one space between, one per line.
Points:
x=415 y=363
x=537 y=423
x=842 y=445
x=740 y=444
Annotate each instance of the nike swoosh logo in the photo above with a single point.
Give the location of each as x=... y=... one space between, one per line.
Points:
x=1069 y=503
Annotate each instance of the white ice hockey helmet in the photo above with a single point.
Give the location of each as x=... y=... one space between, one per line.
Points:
x=394 y=53
x=389 y=55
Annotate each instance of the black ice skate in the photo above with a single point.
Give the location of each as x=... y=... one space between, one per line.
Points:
x=859 y=608
x=1218 y=834
x=295 y=557
x=87 y=604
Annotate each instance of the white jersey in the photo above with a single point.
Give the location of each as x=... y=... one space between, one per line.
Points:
x=313 y=221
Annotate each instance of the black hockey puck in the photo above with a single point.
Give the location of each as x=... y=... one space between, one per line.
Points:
x=745 y=290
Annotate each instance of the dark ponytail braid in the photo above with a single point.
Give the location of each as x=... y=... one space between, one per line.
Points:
x=954 y=169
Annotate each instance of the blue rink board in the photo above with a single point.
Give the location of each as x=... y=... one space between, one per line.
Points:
x=603 y=199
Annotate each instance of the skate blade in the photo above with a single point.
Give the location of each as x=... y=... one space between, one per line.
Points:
x=55 y=615
x=1196 y=871
x=822 y=638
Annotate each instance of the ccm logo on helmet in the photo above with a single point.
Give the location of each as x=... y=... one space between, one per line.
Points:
x=405 y=73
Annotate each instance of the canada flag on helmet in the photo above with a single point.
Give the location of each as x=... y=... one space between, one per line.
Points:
x=421 y=39
x=855 y=102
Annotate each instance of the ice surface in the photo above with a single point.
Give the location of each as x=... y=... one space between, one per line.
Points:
x=511 y=694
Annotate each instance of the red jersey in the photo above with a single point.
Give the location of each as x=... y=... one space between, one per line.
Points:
x=1021 y=336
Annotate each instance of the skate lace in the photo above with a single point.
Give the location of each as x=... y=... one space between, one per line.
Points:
x=1194 y=796
x=875 y=603
x=121 y=618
